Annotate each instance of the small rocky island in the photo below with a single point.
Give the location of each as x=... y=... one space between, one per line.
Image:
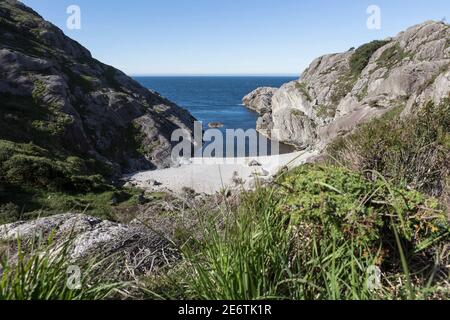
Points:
x=215 y=125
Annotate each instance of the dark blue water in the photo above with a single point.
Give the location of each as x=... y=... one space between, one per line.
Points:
x=211 y=99
x=215 y=99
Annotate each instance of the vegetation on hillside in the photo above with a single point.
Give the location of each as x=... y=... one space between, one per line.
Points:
x=372 y=225
x=43 y=271
x=303 y=88
x=319 y=233
x=359 y=60
x=413 y=151
x=361 y=57
x=36 y=182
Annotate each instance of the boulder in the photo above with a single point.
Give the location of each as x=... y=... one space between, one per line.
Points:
x=88 y=237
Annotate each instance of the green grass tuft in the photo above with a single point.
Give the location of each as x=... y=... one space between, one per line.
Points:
x=317 y=234
x=303 y=88
x=43 y=273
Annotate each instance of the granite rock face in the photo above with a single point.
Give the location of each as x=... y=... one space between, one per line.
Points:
x=93 y=109
x=87 y=237
x=260 y=100
x=339 y=91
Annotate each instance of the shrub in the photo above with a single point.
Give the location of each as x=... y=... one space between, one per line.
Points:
x=360 y=59
x=413 y=151
x=325 y=112
x=316 y=234
x=357 y=209
x=32 y=166
x=76 y=80
x=345 y=83
x=32 y=170
x=392 y=56
x=9 y=212
x=39 y=91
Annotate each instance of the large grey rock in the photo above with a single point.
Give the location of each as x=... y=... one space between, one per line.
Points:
x=132 y=246
x=260 y=100
x=107 y=115
x=329 y=100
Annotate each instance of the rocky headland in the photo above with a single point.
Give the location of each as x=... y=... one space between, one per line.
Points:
x=337 y=92
x=54 y=94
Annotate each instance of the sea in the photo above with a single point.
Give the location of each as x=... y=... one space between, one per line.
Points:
x=215 y=98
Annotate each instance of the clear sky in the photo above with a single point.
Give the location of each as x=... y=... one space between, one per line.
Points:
x=143 y=37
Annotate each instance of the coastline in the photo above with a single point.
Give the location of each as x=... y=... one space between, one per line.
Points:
x=211 y=175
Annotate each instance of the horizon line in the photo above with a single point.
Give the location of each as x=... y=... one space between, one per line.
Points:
x=215 y=75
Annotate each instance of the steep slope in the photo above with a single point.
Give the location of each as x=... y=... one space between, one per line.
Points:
x=60 y=106
x=339 y=91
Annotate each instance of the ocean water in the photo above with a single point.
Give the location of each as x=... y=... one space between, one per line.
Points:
x=215 y=99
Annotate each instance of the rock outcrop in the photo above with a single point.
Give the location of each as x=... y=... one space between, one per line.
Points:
x=339 y=91
x=52 y=89
x=260 y=100
x=86 y=237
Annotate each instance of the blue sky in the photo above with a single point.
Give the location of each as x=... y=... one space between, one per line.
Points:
x=143 y=37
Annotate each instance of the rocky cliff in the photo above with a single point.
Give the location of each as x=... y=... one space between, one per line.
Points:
x=55 y=96
x=339 y=91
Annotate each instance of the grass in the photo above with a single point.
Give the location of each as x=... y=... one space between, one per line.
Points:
x=341 y=88
x=44 y=273
x=297 y=113
x=303 y=88
x=391 y=56
x=27 y=203
x=325 y=112
x=317 y=234
x=75 y=80
x=412 y=151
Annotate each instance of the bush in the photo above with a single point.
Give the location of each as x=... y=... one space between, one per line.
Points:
x=413 y=151
x=32 y=170
x=357 y=209
x=360 y=59
x=9 y=212
x=32 y=166
x=316 y=234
